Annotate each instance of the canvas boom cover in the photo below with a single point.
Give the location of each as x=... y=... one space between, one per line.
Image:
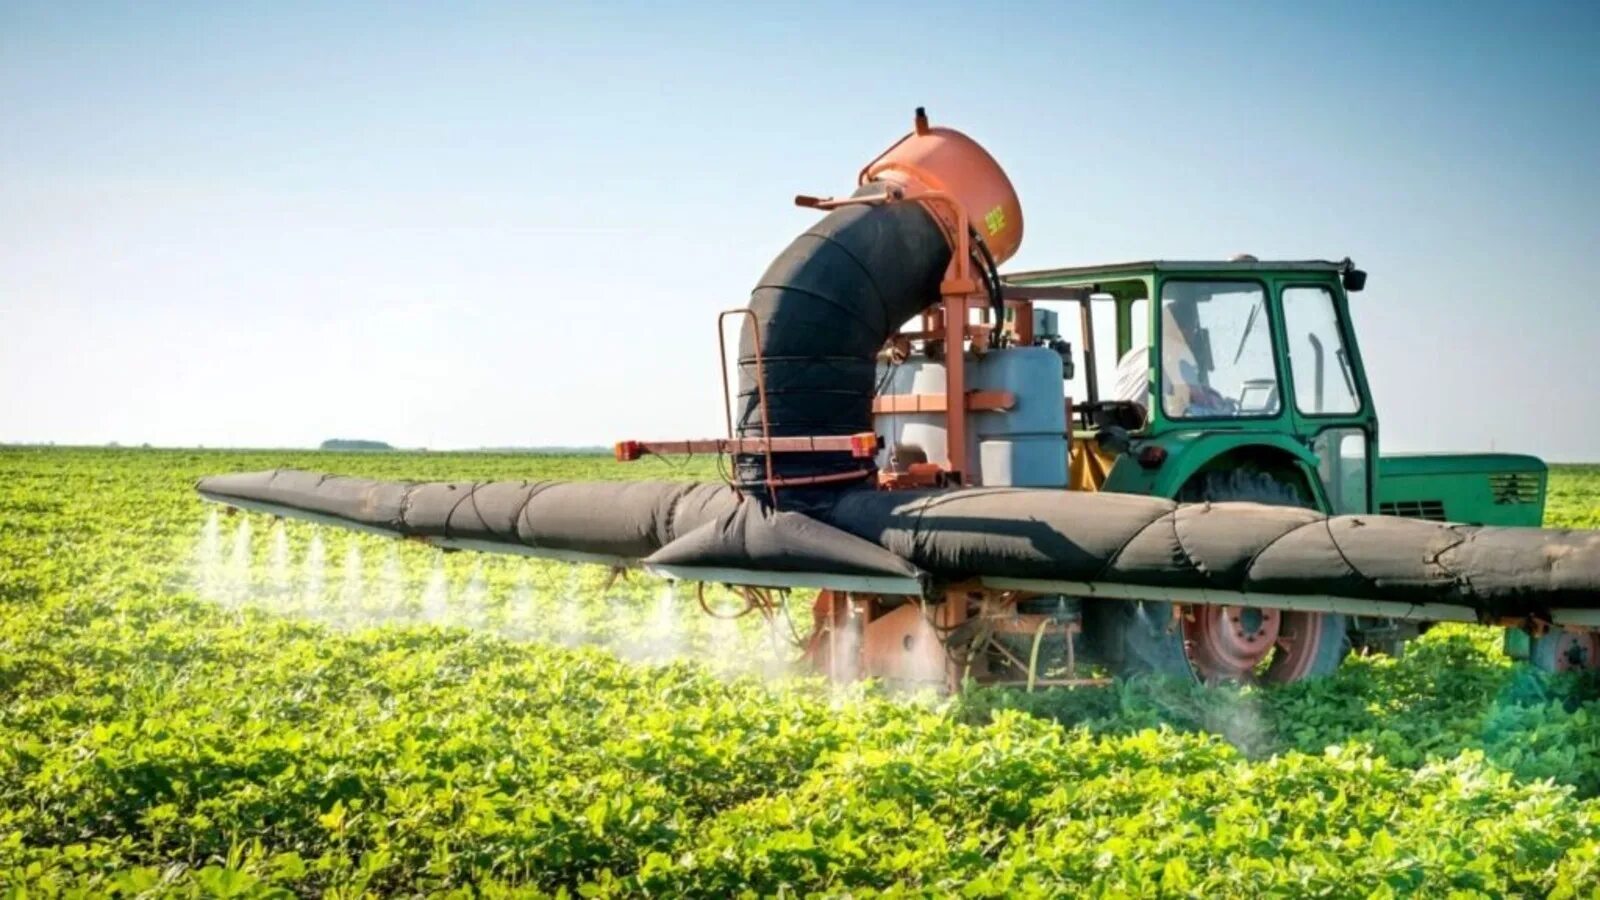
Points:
x=945 y=536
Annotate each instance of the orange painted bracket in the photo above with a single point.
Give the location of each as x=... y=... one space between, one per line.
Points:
x=977 y=401
x=861 y=446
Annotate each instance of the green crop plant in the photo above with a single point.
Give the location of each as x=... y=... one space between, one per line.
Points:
x=1574 y=500
x=162 y=734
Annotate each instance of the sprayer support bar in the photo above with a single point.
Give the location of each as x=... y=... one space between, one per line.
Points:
x=827 y=204
x=862 y=446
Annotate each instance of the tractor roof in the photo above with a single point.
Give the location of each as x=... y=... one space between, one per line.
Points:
x=1110 y=270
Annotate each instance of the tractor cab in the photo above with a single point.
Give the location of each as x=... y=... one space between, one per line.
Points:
x=1186 y=371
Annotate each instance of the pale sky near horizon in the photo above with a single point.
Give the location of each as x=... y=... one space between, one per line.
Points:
x=460 y=225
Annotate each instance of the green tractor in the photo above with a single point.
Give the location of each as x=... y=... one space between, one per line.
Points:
x=1244 y=381
x=914 y=438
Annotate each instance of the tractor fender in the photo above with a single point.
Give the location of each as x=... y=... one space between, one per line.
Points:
x=1187 y=453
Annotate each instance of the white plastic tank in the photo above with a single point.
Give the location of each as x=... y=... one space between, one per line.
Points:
x=1025 y=446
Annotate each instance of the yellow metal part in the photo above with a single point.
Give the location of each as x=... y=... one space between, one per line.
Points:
x=1087 y=464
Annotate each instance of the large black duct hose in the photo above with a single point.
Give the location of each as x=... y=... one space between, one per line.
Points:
x=824 y=309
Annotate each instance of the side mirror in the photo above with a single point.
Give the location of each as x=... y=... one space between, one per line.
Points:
x=1353 y=278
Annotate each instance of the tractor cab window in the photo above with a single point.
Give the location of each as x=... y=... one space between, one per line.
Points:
x=1342 y=465
x=1216 y=351
x=1130 y=380
x=1323 y=381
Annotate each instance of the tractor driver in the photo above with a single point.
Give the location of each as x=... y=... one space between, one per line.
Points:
x=1185 y=393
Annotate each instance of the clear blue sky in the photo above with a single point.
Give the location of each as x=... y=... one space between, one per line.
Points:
x=463 y=225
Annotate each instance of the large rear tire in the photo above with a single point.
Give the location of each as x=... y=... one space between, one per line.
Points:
x=1220 y=643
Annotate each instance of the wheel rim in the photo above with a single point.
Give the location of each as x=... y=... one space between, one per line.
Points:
x=1226 y=643
x=1230 y=643
x=1575 y=652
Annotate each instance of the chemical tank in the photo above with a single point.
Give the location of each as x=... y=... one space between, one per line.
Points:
x=1024 y=446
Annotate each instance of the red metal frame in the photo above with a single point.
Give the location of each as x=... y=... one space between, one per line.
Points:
x=959 y=289
x=977 y=401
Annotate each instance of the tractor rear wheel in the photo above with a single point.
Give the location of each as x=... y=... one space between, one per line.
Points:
x=1221 y=643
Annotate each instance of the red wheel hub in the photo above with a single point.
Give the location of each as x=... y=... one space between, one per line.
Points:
x=1226 y=643
x=1229 y=643
x=1575 y=652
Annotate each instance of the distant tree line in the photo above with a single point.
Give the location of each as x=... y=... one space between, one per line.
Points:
x=349 y=444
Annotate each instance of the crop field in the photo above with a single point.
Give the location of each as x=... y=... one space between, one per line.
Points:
x=1574 y=497
x=204 y=705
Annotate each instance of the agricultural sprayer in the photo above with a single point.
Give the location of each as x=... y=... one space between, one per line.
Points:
x=902 y=441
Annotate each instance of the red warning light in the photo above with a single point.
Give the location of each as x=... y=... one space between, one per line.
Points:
x=1151 y=456
x=864 y=445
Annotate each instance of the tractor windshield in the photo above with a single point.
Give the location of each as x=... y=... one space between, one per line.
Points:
x=1216 y=351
